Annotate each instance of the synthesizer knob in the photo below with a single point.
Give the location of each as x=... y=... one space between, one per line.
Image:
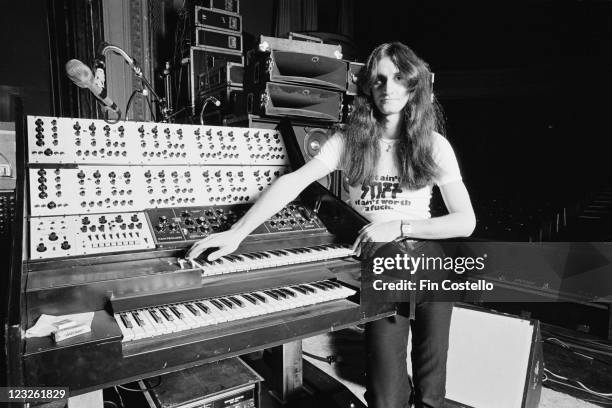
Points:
x=38 y=122
x=102 y=220
x=139 y=225
x=41 y=247
x=92 y=127
x=40 y=143
x=42 y=195
x=154 y=131
x=83 y=228
x=118 y=219
x=126 y=174
x=41 y=172
x=53 y=236
x=134 y=218
x=106 y=128
x=48 y=152
x=65 y=245
x=85 y=221
x=51 y=205
x=76 y=126
x=121 y=130
x=141 y=129
x=97 y=174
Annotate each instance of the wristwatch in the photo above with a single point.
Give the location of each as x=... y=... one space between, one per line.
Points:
x=406 y=229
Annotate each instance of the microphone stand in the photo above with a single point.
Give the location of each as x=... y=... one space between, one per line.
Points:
x=166 y=112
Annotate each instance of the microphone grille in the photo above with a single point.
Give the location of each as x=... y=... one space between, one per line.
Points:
x=79 y=73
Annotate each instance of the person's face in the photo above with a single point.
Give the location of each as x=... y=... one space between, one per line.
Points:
x=389 y=90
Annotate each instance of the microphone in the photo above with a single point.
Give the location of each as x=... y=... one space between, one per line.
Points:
x=82 y=77
x=206 y=102
x=213 y=100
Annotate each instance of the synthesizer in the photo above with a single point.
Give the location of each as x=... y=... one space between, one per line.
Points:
x=108 y=212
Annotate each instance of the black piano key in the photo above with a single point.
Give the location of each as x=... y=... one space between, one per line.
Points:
x=137 y=319
x=155 y=316
x=167 y=315
x=236 y=301
x=330 y=284
x=202 y=307
x=271 y=294
x=125 y=321
x=226 y=303
x=307 y=288
x=335 y=284
x=192 y=309
x=250 y=298
x=217 y=304
x=299 y=289
x=259 y=297
x=280 y=293
x=288 y=292
x=176 y=312
x=319 y=286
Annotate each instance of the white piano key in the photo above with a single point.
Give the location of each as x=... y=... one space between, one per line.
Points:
x=128 y=334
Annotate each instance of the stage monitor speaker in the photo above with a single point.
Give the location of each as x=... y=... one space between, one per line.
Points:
x=310 y=137
x=298 y=68
x=276 y=99
x=494 y=360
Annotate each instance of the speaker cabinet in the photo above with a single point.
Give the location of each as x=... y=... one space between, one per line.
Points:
x=297 y=68
x=494 y=360
x=310 y=136
x=201 y=61
x=276 y=99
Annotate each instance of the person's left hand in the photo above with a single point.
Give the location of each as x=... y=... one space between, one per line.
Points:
x=374 y=233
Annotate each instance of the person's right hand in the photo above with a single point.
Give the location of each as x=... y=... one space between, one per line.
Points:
x=226 y=242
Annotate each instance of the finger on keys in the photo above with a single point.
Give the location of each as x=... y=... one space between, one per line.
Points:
x=219 y=253
x=197 y=248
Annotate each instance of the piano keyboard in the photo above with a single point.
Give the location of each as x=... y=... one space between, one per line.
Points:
x=271 y=258
x=177 y=317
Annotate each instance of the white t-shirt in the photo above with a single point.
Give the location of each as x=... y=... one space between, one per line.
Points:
x=384 y=199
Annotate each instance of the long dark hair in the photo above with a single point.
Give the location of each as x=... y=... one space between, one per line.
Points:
x=421 y=117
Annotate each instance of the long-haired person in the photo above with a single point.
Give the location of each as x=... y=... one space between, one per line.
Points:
x=392 y=154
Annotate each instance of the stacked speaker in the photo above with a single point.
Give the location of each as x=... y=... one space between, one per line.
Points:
x=298 y=77
x=303 y=79
x=216 y=51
